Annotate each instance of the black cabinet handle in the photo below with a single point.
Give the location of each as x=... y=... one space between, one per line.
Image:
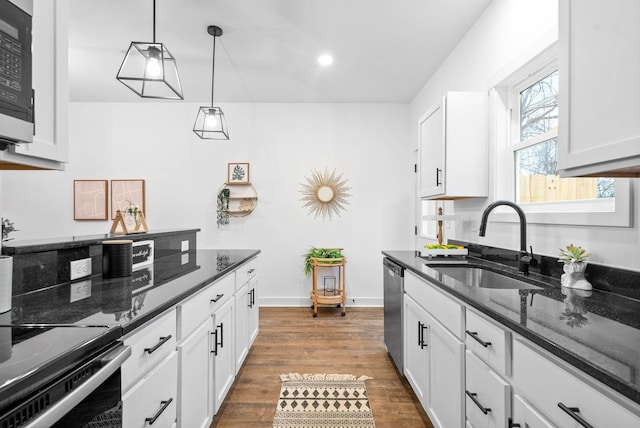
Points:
x=423 y=343
x=573 y=412
x=221 y=335
x=252 y=296
x=474 y=334
x=473 y=395
x=421 y=328
x=438 y=171
x=513 y=424
x=162 y=341
x=215 y=342
x=218 y=297
x=250 y=271
x=164 y=404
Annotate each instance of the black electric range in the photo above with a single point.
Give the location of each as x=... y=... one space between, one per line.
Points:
x=32 y=356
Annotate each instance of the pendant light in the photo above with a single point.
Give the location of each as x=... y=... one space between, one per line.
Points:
x=149 y=69
x=210 y=123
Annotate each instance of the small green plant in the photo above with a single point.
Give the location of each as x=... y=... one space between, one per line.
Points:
x=133 y=210
x=320 y=253
x=7 y=228
x=223 y=207
x=573 y=254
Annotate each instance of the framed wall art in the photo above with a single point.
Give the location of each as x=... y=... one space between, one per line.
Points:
x=238 y=173
x=126 y=193
x=90 y=200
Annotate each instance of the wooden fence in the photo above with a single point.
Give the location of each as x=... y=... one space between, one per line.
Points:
x=543 y=188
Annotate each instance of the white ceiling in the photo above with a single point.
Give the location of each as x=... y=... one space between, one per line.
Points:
x=384 y=50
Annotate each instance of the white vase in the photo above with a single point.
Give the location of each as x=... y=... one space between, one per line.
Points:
x=573 y=276
x=6 y=280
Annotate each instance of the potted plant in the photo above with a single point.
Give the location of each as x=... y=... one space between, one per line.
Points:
x=575 y=263
x=320 y=253
x=223 y=207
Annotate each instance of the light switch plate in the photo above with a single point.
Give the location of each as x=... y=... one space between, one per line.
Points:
x=80 y=268
x=184 y=246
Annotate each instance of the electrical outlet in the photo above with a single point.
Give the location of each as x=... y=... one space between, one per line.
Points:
x=80 y=268
x=184 y=245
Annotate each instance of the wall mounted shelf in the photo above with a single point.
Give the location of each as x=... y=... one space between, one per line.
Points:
x=243 y=199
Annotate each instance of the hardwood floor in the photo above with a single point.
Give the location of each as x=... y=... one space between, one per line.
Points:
x=290 y=340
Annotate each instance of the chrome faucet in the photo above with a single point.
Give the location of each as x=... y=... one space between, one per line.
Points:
x=526 y=259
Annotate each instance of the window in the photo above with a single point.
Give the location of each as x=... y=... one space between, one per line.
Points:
x=524 y=130
x=535 y=122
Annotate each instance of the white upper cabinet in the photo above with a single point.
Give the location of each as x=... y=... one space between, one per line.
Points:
x=599 y=78
x=49 y=149
x=453 y=148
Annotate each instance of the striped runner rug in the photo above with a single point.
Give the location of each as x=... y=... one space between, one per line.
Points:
x=323 y=401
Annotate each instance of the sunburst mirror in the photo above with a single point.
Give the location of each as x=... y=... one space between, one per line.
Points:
x=325 y=193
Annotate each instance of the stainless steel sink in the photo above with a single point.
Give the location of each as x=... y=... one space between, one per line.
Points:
x=483 y=278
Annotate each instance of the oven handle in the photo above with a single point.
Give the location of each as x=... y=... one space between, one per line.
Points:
x=112 y=359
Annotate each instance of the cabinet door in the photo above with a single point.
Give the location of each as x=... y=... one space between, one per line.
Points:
x=446 y=354
x=599 y=83
x=416 y=349
x=223 y=351
x=432 y=151
x=524 y=415
x=254 y=310
x=242 y=302
x=488 y=396
x=153 y=397
x=195 y=379
x=50 y=82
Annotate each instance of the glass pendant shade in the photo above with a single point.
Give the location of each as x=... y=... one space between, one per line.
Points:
x=149 y=70
x=210 y=124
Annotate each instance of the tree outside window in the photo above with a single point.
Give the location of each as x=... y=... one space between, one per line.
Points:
x=536 y=156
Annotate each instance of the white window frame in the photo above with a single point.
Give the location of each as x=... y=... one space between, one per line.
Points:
x=535 y=62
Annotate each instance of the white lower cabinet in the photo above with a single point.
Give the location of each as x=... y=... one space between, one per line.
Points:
x=152 y=400
x=416 y=354
x=525 y=415
x=195 y=378
x=434 y=365
x=223 y=352
x=562 y=396
x=488 y=396
x=254 y=310
x=242 y=301
x=497 y=378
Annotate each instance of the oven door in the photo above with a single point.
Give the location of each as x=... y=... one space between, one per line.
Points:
x=88 y=396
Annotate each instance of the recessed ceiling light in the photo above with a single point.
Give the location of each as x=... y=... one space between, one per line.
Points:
x=325 y=60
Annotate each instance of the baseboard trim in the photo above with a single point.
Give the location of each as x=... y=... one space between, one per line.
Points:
x=305 y=301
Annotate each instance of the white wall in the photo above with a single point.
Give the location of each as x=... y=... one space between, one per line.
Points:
x=153 y=141
x=502 y=32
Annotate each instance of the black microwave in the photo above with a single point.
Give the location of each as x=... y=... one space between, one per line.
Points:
x=16 y=92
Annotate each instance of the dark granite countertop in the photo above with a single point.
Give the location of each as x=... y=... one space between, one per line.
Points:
x=596 y=331
x=12 y=248
x=131 y=301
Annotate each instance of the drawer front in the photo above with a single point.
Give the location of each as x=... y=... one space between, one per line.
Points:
x=489 y=341
x=443 y=308
x=245 y=272
x=525 y=415
x=153 y=397
x=195 y=310
x=546 y=383
x=149 y=346
x=486 y=390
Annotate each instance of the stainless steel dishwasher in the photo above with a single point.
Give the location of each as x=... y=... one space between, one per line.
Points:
x=393 y=298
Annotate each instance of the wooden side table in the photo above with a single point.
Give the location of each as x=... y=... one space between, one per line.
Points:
x=329 y=296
